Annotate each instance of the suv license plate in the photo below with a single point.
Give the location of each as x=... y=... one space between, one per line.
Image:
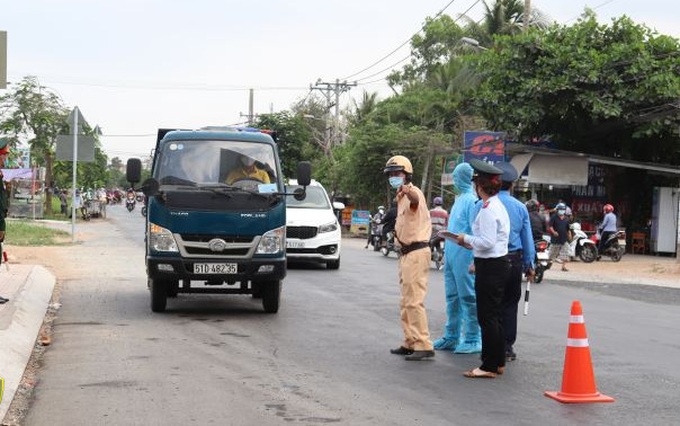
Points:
x=215 y=268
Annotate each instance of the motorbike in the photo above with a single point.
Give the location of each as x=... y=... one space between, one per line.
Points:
x=130 y=203
x=389 y=246
x=542 y=261
x=376 y=234
x=580 y=245
x=437 y=250
x=614 y=247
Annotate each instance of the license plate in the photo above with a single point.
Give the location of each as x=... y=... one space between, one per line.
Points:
x=541 y=255
x=215 y=268
x=295 y=244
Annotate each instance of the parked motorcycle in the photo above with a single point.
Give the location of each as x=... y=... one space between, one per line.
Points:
x=614 y=247
x=437 y=250
x=389 y=246
x=580 y=245
x=542 y=261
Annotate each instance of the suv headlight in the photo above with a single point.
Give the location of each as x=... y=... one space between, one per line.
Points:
x=329 y=227
x=161 y=239
x=272 y=242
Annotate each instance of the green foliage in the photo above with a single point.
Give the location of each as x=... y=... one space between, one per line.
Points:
x=604 y=89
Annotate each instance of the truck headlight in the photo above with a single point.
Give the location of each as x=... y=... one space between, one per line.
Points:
x=161 y=239
x=329 y=227
x=272 y=242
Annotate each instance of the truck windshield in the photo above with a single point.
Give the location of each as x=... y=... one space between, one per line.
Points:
x=206 y=162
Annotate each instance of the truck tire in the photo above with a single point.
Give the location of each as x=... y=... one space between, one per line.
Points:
x=271 y=296
x=159 y=294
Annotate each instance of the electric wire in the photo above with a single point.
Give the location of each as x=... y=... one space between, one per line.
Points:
x=407 y=41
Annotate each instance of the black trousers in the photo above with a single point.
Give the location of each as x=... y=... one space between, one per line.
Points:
x=603 y=239
x=490 y=278
x=511 y=297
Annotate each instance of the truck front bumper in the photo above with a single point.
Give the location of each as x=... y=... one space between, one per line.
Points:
x=255 y=269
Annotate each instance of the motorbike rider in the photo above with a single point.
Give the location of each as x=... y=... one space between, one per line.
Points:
x=438 y=216
x=606 y=228
x=389 y=220
x=439 y=219
x=536 y=219
x=376 y=223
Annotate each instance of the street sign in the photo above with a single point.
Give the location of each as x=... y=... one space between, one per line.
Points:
x=64 y=151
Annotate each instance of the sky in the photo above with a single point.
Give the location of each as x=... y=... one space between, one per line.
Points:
x=133 y=66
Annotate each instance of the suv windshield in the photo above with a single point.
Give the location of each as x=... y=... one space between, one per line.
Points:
x=316 y=198
x=201 y=162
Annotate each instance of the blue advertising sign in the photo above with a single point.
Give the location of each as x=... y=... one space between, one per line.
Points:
x=360 y=221
x=485 y=146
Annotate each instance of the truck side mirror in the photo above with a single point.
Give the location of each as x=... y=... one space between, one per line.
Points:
x=150 y=187
x=133 y=172
x=299 y=194
x=304 y=173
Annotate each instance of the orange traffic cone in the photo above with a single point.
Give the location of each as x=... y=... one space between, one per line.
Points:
x=578 y=379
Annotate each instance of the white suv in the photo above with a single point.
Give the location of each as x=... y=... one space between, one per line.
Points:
x=312 y=228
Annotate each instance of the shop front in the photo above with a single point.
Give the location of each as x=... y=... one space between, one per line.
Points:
x=644 y=195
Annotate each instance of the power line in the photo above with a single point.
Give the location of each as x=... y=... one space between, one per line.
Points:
x=406 y=42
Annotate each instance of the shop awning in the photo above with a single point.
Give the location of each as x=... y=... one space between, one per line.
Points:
x=556 y=167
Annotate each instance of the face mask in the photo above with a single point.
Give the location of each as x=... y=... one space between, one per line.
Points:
x=561 y=212
x=247 y=161
x=396 y=181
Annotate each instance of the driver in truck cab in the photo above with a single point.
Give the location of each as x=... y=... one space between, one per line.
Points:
x=247 y=170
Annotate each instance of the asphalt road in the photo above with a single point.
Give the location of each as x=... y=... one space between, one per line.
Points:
x=324 y=358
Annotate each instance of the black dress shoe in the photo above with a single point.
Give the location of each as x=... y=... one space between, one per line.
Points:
x=419 y=355
x=3 y=300
x=401 y=351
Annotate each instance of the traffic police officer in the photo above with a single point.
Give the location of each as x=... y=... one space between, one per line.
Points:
x=412 y=231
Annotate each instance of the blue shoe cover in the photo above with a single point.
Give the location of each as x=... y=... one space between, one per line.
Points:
x=468 y=348
x=443 y=344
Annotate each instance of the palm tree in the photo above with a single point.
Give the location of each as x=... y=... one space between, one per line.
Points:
x=504 y=17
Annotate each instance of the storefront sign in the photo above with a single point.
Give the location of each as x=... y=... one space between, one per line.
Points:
x=485 y=146
x=359 y=221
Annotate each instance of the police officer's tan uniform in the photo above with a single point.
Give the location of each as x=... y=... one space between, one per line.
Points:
x=414 y=226
x=412 y=231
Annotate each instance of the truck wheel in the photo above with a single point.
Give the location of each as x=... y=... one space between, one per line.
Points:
x=159 y=294
x=173 y=288
x=271 y=296
x=333 y=264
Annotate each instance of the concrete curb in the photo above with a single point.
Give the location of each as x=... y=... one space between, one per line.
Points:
x=20 y=322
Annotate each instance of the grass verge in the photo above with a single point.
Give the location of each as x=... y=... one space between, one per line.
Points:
x=29 y=233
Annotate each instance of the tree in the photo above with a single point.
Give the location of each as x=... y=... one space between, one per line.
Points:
x=603 y=89
x=33 y=113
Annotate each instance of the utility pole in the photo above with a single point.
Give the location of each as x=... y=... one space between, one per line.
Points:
x=332 y=91
x=251 y=114
x=527 y=14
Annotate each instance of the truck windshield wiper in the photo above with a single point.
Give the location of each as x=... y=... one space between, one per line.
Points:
x=224 y=189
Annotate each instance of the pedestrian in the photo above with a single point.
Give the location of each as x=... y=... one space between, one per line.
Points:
x=4 y=200
x=461 y=331
x=412 y=231
x=521 y=253
x=63 y=200
x=489 y=244
x=606 y=228
x=559 y=230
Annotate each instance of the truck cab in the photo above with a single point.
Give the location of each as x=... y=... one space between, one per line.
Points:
x=215 y=215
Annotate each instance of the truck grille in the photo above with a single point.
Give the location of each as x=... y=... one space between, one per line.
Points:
x=203 y=238
x=301 y=232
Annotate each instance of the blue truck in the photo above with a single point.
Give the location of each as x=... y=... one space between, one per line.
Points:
x=215 y=211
